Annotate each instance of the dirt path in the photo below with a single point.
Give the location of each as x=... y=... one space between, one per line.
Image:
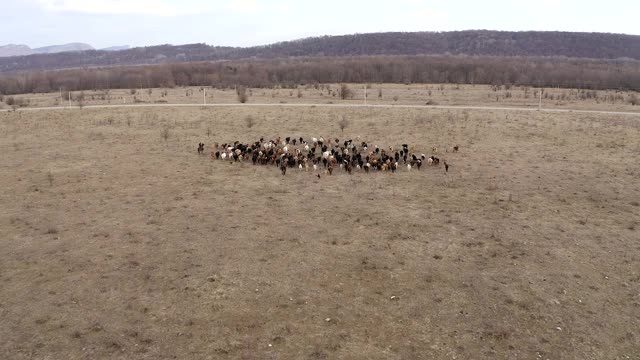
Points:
x=338 y=106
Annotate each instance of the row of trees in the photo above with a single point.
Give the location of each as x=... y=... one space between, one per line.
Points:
x=544 y=72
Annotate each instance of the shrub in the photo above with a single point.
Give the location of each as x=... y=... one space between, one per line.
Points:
x=343 y=123
x=345 y=92
x=249 y=121
x=242 y=94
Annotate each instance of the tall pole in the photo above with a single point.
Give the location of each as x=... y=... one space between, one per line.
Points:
x=204 y=97
x=540 y=103
x=69 y=99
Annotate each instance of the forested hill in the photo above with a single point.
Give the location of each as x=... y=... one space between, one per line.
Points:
x=472 y=42
x=481 y=42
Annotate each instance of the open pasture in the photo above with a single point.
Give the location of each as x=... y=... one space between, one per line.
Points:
x=377 y=94
x=117 y=240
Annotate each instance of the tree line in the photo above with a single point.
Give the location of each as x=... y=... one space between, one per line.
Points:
x=530 y=71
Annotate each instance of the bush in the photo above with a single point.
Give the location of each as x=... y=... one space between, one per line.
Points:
x=633 y=99
x=242 y=94
x=249 y=121
x=343 y=123
x=16 y=102
x=345 y=92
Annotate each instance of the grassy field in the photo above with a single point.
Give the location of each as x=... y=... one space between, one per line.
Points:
x=119 y=242
x=380 y=94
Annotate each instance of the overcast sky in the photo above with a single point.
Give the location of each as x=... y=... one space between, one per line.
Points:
x=104 y=23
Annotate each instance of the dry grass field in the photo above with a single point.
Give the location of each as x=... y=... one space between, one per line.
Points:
x=116 y=243
x=379 y=94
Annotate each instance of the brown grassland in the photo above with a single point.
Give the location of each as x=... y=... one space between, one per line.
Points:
x=117 y=243
x=377 y=94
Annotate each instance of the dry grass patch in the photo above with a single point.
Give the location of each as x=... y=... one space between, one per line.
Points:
x=141 y=248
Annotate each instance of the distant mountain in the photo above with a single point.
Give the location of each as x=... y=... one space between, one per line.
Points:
x=471 y=42
x=24 y=50
x=117 y=48
x=73 y=47
x=15 y=50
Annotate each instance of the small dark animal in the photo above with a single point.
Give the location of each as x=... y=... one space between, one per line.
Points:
x=200 y=148
x=456 y=148
x=318 y=176
x=446 y=166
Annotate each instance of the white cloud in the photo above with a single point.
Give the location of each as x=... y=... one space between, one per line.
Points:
x=122 y=7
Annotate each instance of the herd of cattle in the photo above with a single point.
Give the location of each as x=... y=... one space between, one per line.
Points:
x=327 y=155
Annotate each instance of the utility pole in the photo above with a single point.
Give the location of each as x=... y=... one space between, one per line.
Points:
x=69 y=99
x=204 y=97
x=540 y=103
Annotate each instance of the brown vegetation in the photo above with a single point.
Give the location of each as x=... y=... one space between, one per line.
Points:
x=541 y=72
x=139 y=248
